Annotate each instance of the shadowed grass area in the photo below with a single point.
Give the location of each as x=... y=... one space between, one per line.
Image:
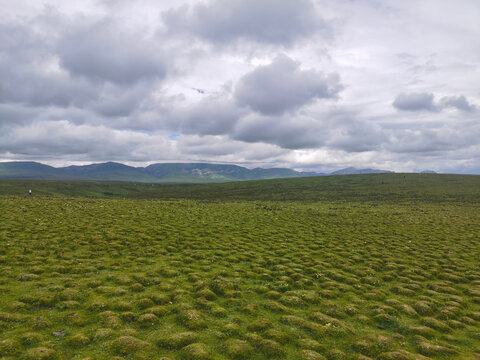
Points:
x=326 y=278
x=436 y=188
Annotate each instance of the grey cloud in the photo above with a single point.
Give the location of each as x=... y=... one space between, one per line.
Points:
x=458 y=102
x=27 y=70
x=14 y=114
x=425 y=101
x=338 y=129
x=279 y=22
x=354 y=135
x=262 y=153
x=415 y=102
x=107 y=69
x=49 y=137
x=105 y=51
x=226 y=149
x=115 y=101
x=209 y=145
x=113 y=107
x=19 y=39
x=429 y=142
x=64 y=139
x=288 y=133
x=37 y=89
x=212 y=116
x=282 y=86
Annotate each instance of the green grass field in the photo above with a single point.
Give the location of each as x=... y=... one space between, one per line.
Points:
x=349 y=267
x=392 y=188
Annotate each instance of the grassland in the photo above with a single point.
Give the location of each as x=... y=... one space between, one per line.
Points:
x=391 y=188
x=351 y=267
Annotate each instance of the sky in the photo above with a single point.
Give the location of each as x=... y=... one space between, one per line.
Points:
x=313 y=85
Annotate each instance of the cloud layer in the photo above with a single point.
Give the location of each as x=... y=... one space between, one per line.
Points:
x=307 y=84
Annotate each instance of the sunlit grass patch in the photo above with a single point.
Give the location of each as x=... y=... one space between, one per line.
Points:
x=77 y=340
x=177 y=340
x=40 y=353
x=238 y=349
x=192 y=319
x=102 y=334
x=9 y=347
x=311 y=355
x=127 y=345
x=196 y=351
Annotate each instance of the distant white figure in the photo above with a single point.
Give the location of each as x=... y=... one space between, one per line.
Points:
x=30 y=192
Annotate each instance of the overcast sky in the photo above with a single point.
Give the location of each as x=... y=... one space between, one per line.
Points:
x=306 y=84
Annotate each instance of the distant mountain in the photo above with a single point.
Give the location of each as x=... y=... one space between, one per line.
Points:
x=166 y=173
x=201 y=172
x=108 y=171
x=28 y=170
x=173 y=173
x=352 y=170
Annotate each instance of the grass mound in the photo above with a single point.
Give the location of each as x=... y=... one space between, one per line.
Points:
x=40 y=353
x=196 y=351
x=178 y=340
x=238 y=349
x=126 y=345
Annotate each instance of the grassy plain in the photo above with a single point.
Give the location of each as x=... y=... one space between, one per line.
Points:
x=347 y=267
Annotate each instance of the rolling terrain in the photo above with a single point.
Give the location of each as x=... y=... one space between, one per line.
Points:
x=156 y=173
x=362 y=187
x=377 y=266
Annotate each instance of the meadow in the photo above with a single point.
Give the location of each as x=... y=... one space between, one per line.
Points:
x=349 y=267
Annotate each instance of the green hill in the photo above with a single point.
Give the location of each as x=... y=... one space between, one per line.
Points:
x=28 y=170
x=203 y=172
x=109 y=171
x=157 y=173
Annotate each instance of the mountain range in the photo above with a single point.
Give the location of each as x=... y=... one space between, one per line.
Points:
x=166 y=172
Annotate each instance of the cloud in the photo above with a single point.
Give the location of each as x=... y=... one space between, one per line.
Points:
x=14 y=114
x=415 y=102
x=286 y=132
x=458 y=102
x=117 y=101
x=426 y=141
x=282 y=86
x=278 y=22
x=354 y=134
x=107 y=51
x=61 y=138
x=104 y=80
x=211 y=116
x=29 y=71
x=425 y=102
x=53 y=60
